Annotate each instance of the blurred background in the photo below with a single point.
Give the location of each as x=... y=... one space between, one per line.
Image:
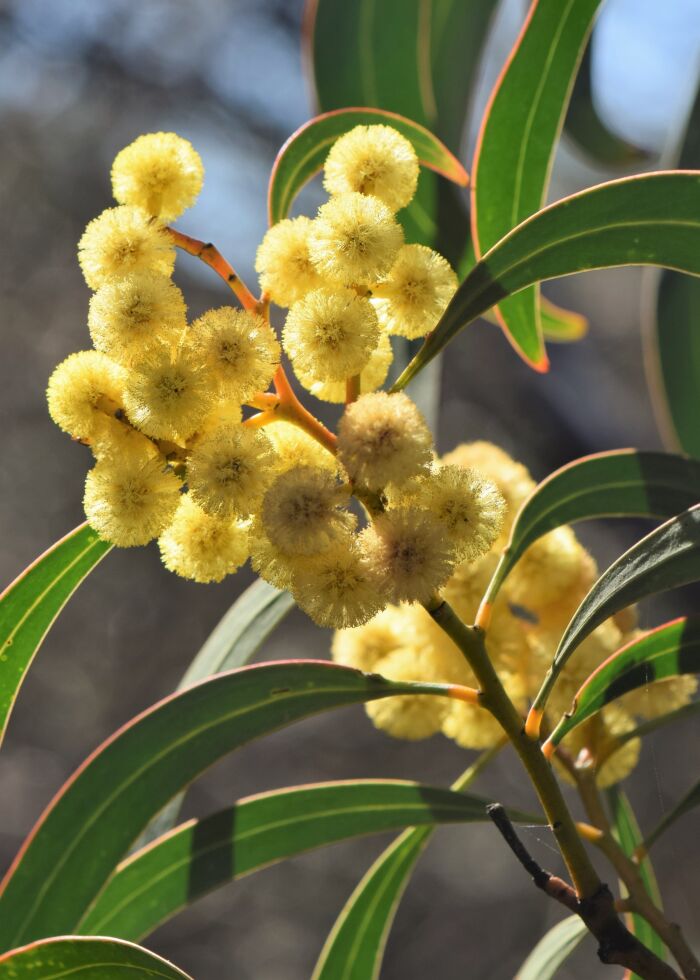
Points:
x=80 y=79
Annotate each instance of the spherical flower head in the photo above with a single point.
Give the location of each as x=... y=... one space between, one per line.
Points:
x=374 y=160
x=372 y=376
x=296 y=448
x=168 y=395
x=549 y=569
x=409 y=716
x=131 y=315
x=240 y=350
x=415 y=293
x=410 y=554
x=331 y=334
x=383 y=439
x=131 y=500
x=159 y=172
x=354 y=239
x=121 y=241
x=200 y=547
x=336 y=588
x=84 y=393
x=363 y=647
x=229 y=469
x=302 y=511
x=271 y=564
x=284 y=264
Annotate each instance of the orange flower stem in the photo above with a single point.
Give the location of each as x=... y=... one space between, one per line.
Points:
x=291 y=410
x=212 y=257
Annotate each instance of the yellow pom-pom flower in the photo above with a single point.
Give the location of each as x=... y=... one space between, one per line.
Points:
x=383 y=439
x=284 y=264
x=229 y=469
x=410 y=554
x=159 y=172
x=168 y=395
x=296 y=448
x=302 y=511
x=336 y=588
x=128 y=316
x=84 y=393
x=549 y=569
x=372 y=376
x=121 y=241
x=239 y=348
x=362 y=647
x=330 y=334
x=415 y=293
x=131 y=500
x=354 y=239
x=275 y=566
x=408 y=716
x=373 y=160
x=200 y=547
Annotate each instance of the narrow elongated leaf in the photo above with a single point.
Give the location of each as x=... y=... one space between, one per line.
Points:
x=517 y=141
x=553 y=949
x=560 y=325
x=29 y=606
x=627 y=831
x=664 y=559
x=89 y=826
x=688 y=803
x=92 y=959
x=622 y=483
x=155 y=883
x=304 y=153
x=653 y=219
x=668 y=651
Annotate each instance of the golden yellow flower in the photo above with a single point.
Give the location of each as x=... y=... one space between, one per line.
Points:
x=296 y=448
x=229 y=469
x=283 y=262
x=159 y=172
x=549 y=569
x=84 y=393
x=409 y=716
x=371 y=377
x=354 y=239
x=363 y=647
x=336 y=588
x=240 y=350
x=302 y=511
x=415 y=293
x=275 y=566
x=200 y=547
x=121 y=241
x=373 y=160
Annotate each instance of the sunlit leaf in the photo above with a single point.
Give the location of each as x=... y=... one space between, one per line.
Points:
x=553 y=949
x=91 y=959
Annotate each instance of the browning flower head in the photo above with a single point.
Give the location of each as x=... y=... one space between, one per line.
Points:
x=284 y=264
x=409 y=716
x=415 y=293
x=131 y=500
x=372 y=376
x=374 y=160
x=330 y=334
x=354 y=239
x=168 y=395
x=383 y=439
x=336 y=588
x=302 y=511
x=83 y=394
x=229 y=470
x=131 y=315
x=121 y=241
x=200 y=547
x=410 y=554
x=159 y=172
x=240 y=349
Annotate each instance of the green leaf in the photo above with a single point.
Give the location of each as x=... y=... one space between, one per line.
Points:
x=29 y=606
x=560 y=325
x=685 y=805
x=671 y=316
x=621 y=483
x=93 y=959
x=626 y=830
x=664 y=559
x=553 y=949
x=305 y=152
x=666 y=651
x=155 y=883
x=653 y=219
x=355 y=946
x=90 y=824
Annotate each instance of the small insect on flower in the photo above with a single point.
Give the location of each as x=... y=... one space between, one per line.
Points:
x=131 y=500
x=415 y=293
x=375 y=160
x=168 y=395
x=131 y=315
x=200 y=547
x=383 y=439
x=84 y=393
x=121 y=241
x=229 y=469
x=371 y=377
x=331 y=334
x=239 y=348
x=302 y=511
x=410 y=554
x=354 y=239
x=336 y=588
x=284 y=264
x=159 y=172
